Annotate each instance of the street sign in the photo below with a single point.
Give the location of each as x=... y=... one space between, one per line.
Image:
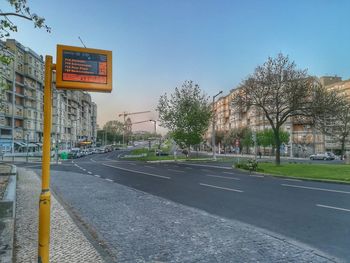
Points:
x=83 y=69
x=76 y=68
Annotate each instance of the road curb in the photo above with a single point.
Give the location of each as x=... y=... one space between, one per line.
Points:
x=274 y=175
x=301 y=178
x=294 y=177
x=7 y=218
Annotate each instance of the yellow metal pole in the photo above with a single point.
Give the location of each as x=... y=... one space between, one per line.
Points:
x=45 y=196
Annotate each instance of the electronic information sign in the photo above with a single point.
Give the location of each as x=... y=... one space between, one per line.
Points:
x=84 y=69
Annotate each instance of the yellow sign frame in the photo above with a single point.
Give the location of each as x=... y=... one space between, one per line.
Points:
x=80 y=85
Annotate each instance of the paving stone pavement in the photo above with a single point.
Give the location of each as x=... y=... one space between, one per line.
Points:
x=68 y=243
x=139 y=227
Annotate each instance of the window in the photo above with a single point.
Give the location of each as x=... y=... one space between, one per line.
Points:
x=5 y=132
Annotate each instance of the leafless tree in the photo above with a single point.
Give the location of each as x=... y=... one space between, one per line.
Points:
x=279 y=90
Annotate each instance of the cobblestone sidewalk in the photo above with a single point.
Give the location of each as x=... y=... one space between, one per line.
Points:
x=68 y=243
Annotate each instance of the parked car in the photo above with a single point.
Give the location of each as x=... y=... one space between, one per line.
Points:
x=161 y=153
x=74 y=153
x=322 y=156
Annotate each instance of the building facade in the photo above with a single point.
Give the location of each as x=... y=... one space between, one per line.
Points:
x=21 y=100
x=304 y=138
x=343 y=87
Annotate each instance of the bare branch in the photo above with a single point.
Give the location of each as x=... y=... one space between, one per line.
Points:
x=15 y=14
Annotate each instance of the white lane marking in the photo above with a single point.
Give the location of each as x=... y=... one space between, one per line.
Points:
x=83 y=169
x=96 y=175
x=316 y=188
x=293 y=180
x=179 y=171
x=89 y=172
x=210 y=166
x=223 y=188
x=149 y=166
x=227 y=173
x=134 y=171
x=76 y=164
x=92 y=160
x=224 y=177
x=256 y=175
x=334 y=207
x=109 y=180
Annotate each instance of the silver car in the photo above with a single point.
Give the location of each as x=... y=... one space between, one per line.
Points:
x=322 y=156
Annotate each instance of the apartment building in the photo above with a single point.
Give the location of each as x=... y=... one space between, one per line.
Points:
x=22 y=112
x=74 y=118
x=21 y=117
x=304 y=139
x=343 y=87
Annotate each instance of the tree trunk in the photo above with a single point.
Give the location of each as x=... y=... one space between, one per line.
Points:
x=278 y=146
x=342 y=148
x=278 y=155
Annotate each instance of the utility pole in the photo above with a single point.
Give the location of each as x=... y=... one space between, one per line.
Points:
x=213 y=128
x=155 y=126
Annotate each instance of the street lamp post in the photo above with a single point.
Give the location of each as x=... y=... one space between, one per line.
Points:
x=213 y=128
x=155 y=126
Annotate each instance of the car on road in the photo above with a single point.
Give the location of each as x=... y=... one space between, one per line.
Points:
x=322 y=156
x=161 y=153
x=74 y=153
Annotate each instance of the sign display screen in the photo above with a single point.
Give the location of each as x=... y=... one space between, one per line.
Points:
x=83 y=68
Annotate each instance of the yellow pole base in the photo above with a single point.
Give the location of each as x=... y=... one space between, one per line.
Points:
x=44 y=227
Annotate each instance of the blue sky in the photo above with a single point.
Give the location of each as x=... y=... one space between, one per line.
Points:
x=158 y=44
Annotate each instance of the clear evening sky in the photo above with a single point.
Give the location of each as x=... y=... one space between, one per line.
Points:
x=158 y=44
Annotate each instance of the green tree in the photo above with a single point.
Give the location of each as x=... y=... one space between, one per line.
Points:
x=114 y=130
x=19 y=8
x=247 y=138
x=280 y=91
x=231 y=136
x=266 y=138
x=219 y=137
x=186 y=113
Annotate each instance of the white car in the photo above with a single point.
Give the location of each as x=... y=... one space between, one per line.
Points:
x=322 y=156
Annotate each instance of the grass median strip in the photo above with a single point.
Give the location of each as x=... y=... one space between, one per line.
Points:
x=327 y=172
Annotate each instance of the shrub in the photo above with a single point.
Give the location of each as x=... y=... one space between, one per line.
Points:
x=246 y=164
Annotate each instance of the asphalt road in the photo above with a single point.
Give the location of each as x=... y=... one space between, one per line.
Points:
x=314 y=213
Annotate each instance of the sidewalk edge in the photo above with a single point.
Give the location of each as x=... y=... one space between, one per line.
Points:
x=8 y=235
